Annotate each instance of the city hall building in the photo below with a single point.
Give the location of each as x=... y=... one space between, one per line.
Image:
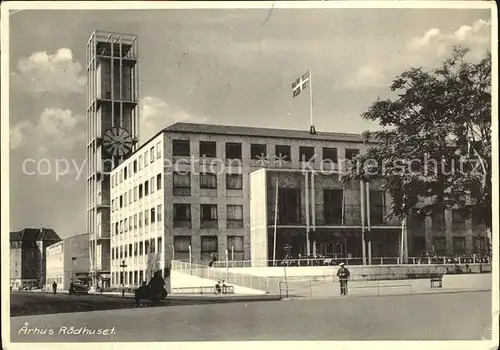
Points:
x=187 y=193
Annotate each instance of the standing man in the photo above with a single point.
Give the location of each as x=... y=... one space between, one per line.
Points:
x=343 y=275
x=54 y=287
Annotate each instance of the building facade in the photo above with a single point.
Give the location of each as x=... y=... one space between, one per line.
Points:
x=111 y=99
x=68 y=260
x=28 y=256
x=185 y=195
x=300 y=213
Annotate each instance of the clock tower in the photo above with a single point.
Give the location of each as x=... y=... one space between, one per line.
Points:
x=112 y=131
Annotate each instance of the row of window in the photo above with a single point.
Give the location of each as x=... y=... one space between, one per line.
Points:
x=133 y=167
x=459 y=244
x=137 y=193
x=257 y=151
x=182 y=244
x=132 y=222
x=208 y=215
x=137 y=249
x=207 y=180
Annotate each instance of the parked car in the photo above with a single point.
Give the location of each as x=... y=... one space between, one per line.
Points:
x=78 y=288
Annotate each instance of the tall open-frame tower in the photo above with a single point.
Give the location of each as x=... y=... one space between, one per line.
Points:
x=112 y=102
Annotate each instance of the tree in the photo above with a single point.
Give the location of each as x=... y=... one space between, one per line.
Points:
x=435 y=141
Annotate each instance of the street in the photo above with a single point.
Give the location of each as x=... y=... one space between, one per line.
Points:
x=454 y=316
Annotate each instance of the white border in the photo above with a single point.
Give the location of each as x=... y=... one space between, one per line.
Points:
x=116 y=5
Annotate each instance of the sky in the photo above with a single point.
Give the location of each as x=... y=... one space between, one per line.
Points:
x=231 y=67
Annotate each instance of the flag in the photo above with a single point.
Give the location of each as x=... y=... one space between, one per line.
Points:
x=300 y=84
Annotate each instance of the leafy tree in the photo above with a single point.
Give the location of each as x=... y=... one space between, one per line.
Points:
x=435 y=141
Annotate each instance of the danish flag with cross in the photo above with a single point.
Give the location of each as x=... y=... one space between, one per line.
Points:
x=300 y=84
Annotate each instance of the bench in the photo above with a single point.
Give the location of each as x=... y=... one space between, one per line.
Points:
x=437 y=281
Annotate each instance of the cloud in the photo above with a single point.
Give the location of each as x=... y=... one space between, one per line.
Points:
x=366 y=77
x=477 y=37
x=56 y=129
x=56 y=73
x=155 y=114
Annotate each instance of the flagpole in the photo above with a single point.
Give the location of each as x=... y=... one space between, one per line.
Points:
x=313 y=129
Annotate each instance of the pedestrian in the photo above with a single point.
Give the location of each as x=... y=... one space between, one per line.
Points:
x=54 y=287
x=343 y=275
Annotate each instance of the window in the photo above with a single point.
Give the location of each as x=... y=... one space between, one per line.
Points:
x=113 y=205
x=130 y=223
x=458 y=245
x=146 y=247
x=208 y=180
x=117 y=228
x=135 y=166
x=258 y=151
x=182 y=244
x=159 y=244
x=140 y=191
x=289 y=205
x=351 y=153
x=479 y=244
x=135 y=249
x=152 y=245
x=208 y=215
x=158 y=182
x=332 y=206
x=121 y=201
x=306 y=153
x=458 y=218
x=182 y=180
x=146 y=188
x=152 y=155
x=125 y=199
x=330 y=154
x=233 y=150
x=125 y=173
x=208 y=149
x=158 y=211
x=129 y=196
x=377 y=207
x=153 y=215
x=121 y=252
x=418 y=245
x=140 y=162
x=234 y=216
x=234 y=181
x=146 y=161
x=124 y=251
x=235 y=243
x=121 y=226
x=182 y=212
x=438 y=221
x=135 y=221
x=141 y=250
x=135 y=193
x=181 y=148
x=146 y=217
x=126 y=225
x=440 y=245
x=208 y=246
x=152 y=184
x=284 y=152
x=130 y=249
x=158 y=150
x=140 y=219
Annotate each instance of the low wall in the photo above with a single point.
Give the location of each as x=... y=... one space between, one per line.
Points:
x=360 y=272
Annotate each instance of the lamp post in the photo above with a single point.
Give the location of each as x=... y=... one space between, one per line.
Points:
x=123 y=266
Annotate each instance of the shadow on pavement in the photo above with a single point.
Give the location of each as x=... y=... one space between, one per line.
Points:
x=27 y=303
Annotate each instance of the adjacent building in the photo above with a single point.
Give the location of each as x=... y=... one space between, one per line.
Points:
x=28 y=256
x=68 y=260
x=111 y=100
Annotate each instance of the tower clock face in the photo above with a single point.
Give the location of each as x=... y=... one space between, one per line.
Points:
x=118 y=142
